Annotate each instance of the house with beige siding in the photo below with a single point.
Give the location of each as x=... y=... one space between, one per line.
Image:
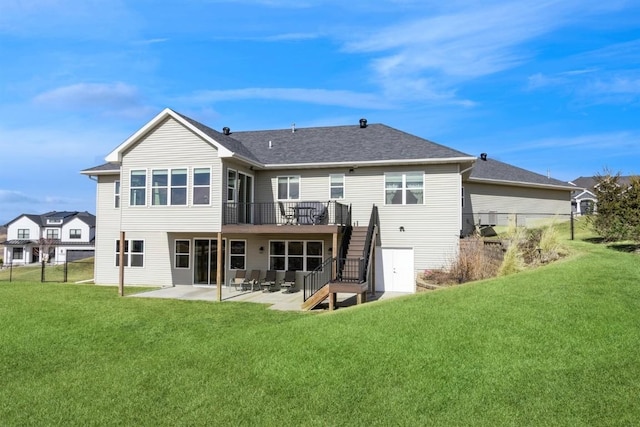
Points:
x=497 y=194
x=347 y=208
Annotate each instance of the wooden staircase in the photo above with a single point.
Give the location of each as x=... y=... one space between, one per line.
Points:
x=331 y=289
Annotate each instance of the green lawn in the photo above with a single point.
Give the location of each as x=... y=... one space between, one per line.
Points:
x=554 y=346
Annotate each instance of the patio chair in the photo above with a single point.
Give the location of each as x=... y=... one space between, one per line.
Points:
x=238 y=281
x=269 y=283
x=288 y=217
x=289 y=281
x=320 y=213
x=253 y=281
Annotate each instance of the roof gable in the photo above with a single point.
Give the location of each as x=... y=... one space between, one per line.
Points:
x=210 y=136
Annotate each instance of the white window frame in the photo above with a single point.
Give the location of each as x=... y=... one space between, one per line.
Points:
x=173 y=186
x=181 y=254
x=116 y=194
x=158 y=188
x=340 y=186
x=305 y=255
x=289 y=178
x=404 y=189
x=138 y=188
x=129 y=254
x=232 y=189
x=194 y=186
x=242 y=255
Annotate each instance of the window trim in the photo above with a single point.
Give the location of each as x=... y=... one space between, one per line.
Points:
x=144 y=188
x=243 y=255
x=77 y=235
x=304 y=255
x=129 y=253
x=331 y=186
x=24 y=233
x=403 y=188
x=288 y=177
x=232 y=188
x=194 y=186
x=165 y=187
x=116 y=193
x=177 y=254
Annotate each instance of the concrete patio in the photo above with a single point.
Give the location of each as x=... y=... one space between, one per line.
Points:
x=276 y=300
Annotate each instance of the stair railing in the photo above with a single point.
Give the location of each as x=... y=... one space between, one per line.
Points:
x=316 y=279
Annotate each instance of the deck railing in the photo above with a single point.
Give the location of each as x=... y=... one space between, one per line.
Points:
x=305 y=212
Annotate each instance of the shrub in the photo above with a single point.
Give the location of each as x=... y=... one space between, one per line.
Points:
x=473 y=261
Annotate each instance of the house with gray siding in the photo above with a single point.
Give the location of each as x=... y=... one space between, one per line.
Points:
x=348 y=208
x=54 y=237
x=499 y=194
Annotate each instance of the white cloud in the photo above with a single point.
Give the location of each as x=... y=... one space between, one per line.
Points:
x=113 y=99
x=340 y=98
x=16 y=197
x=616 y=143
x=83 y=95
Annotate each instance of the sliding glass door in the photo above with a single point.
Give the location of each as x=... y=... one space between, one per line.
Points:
x=206 y=257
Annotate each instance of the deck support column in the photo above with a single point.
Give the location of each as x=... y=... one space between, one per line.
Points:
x=334 y=254
x=332 y=301
x=219 y=269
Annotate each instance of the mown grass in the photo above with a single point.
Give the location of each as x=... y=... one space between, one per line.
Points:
x=553 y=346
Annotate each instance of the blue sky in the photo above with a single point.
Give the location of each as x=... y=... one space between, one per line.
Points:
x=551 y=86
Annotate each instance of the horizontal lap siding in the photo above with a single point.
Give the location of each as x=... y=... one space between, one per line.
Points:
x=432 y=229
x=171 y=145
x=107 y=231
x=510 y=199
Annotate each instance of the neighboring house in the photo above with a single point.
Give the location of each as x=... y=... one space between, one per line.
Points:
x=498 y=194
x=54 y=237
x=583 y=198
x=196 y=205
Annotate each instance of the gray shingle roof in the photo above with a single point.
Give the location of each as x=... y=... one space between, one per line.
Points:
x=105 y=167
x=376 y=142
x=228 y=142
x=65 y=216
x=491 y=169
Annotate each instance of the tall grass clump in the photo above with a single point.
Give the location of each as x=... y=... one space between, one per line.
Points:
x=514 y=260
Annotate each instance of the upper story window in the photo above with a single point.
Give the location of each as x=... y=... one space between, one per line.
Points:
x=336 y=183
x=178 y=186
x=23 y=233
x=75 y=233
x=159 y=187
x=53 y=233
x=138 y=186
x=404 y=188
x=288 y=187
x=201 y=186
x=168 y=187
x=116 y=194
x=232 y=180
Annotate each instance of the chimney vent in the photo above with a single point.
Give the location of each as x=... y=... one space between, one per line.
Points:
x=293 y=127
x=226 y=130
x=363 y=123
x=483 y=156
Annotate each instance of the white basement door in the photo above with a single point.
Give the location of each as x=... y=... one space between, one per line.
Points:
x=394 y=270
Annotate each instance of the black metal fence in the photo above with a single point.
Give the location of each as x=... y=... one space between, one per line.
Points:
x=70 y=271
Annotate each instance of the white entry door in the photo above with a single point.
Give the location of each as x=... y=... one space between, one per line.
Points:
x=394 y=270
